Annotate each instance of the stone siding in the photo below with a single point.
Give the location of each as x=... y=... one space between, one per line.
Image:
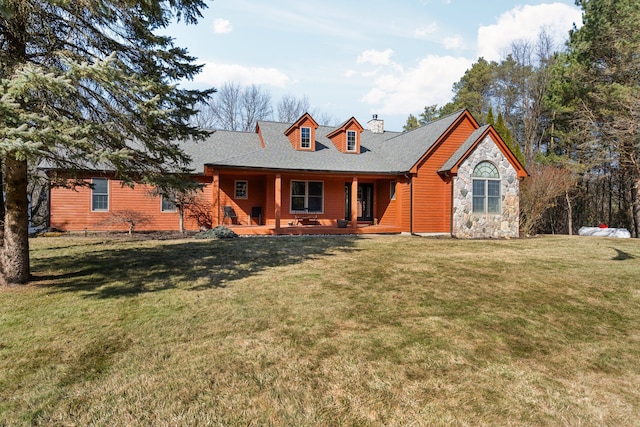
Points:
x=466 y=224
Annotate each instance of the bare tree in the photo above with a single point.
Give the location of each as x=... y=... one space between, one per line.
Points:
x=235 y=108
x=522 y=83
x=290 y=108
x=255 y=105
x=540 y=192
x=127 y=217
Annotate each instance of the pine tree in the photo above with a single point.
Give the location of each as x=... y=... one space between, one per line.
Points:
x=86 y=85
x=507 y=137
x=412 y=123
x=490 y=120
x=429 y=114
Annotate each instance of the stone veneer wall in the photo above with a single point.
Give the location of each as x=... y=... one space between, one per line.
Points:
x=466 y=224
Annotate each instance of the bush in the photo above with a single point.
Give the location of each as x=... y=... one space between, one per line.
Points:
x=219 y=232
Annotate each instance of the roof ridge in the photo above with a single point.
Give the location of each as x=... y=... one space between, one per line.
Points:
x=439 y=119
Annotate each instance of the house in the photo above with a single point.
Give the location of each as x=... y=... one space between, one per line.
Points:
x=450 y=177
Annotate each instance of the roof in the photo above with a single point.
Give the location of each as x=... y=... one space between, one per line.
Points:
x=380 y=153
x=269 y=148
x=464 y=148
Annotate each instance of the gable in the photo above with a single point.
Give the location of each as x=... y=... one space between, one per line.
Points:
x=346 y=137
x=302 y=134
x=448 y=140
x=485 y=134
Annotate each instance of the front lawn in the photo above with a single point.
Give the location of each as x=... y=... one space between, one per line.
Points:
x=310 y=331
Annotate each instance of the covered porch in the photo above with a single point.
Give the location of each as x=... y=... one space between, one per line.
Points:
x=299 y=230
x=294 y=203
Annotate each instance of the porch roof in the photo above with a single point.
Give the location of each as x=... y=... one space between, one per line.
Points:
x=382 y=153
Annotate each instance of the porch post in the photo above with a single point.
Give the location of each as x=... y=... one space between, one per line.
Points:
x=278 y=201
x=354 y=202
x=215 y=197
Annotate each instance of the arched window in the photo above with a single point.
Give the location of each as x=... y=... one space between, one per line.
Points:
x=486 y=188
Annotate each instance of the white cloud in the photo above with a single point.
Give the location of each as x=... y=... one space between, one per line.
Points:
x=375 y=57
x=217 y=74
x=221 y=26
x=455 y=42
x=424 y=32
x=525 y=23
x=430 y=82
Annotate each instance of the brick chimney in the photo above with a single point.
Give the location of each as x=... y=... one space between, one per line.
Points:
x=375 y=125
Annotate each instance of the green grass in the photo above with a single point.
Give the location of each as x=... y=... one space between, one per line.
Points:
x=301 y=331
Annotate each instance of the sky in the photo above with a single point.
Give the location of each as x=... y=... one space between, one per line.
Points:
x=355 y=58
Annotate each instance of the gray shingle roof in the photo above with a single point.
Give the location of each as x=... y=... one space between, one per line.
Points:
x=380 y=153
x=384 y=153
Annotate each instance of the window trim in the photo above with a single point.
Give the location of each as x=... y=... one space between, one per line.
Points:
x=392 y=190
x=305 y=144
x=355 y=141
x=246 y=189
x=306 y=196
x=94 y=193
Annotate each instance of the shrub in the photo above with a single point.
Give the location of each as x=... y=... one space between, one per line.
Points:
x=219 y=232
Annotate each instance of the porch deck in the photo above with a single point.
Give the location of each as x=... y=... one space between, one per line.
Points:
x=255 y=230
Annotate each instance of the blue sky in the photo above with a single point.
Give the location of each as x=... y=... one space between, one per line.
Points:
x=362 y=58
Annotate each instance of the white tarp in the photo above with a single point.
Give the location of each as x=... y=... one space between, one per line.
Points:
x=604 y=232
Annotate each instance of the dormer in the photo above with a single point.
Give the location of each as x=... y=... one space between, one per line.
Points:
x=302 y=134
x=346 y=137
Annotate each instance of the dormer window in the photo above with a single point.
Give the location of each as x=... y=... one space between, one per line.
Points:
x=346 y=137
x=305 y=137
x=351 y=140
x=302 y=134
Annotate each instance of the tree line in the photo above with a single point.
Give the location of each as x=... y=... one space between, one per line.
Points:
x=571 y=114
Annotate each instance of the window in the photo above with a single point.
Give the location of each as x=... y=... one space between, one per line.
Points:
x=305 y=137
x=351 y=140
x=168 y=203
x=307 y=195
x=100 y=194
x=392 y=190
x=241 y=190
x=486 y=189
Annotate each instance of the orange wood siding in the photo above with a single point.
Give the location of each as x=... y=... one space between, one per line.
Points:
x=432 y=193
x=339 y=136
x=386 y=210
x=403 y=198
x=256 y=197
x=71 y=209
x=340 y=141
x=294 y=133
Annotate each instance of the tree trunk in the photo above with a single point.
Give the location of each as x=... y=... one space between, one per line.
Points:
x=569 y=213
x=181 y=213
x=2 y=210
x=636 y=208
x=15 y=250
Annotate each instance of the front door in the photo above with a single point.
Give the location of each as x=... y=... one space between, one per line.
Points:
x=364 y=205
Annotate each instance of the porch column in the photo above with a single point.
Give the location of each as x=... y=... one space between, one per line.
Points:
x=354 y=202
x=215 y=197
x=278 y=201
